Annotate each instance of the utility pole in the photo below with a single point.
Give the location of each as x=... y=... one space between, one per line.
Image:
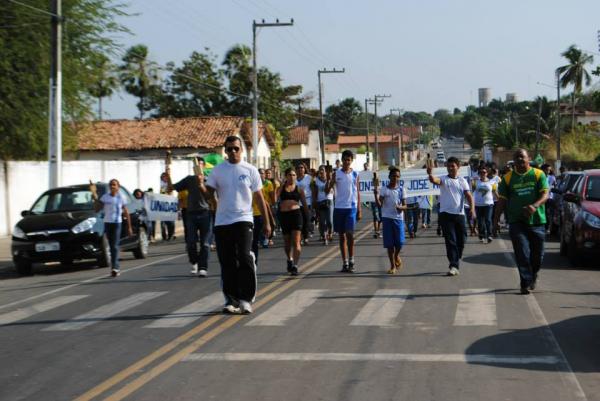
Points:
x=400 y=140
x=558 y=163
x=255 y=26
x=377 y=99
x=55 y=117
x=322 y=125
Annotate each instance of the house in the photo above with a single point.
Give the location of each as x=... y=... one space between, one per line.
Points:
x=388 y=143
x=150 y=139
x=303 y=144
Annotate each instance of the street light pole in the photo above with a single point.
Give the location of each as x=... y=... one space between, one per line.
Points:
x=367 y=118
x=322 y=124
x=400 y=140
x=256 y=25
x=55 y=117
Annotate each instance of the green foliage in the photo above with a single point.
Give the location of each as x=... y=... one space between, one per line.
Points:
x=194 y=89
x=342 y=115
x=25 y=69
x=582 y=144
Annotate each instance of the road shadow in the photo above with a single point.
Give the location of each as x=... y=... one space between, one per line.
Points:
x=489 y=258
x=578 y=337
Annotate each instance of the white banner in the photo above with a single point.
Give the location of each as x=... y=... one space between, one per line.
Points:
x=160 y=207
x=416 y=182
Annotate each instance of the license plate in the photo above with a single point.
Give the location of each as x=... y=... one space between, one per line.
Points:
x=47 y=246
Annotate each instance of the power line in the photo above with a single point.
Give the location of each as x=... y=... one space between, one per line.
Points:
x=35 y=8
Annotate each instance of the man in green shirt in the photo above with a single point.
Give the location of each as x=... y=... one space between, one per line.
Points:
x=522 y=194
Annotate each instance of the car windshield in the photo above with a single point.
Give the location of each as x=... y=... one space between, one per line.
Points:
x=593 y=189
x=64 y=200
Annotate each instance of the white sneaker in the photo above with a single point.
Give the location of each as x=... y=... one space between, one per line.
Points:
x=453 y=271
x=194 y=269
x=245 y=307
x=115 y=272
x=231 y=310
x=202 y=272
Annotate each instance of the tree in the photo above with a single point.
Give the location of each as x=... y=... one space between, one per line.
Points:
x=25 y=69
x=139 y=76
x=574 y=73
x=106 y=81
x=341 y=116
x=275 y=102
x=194 y=89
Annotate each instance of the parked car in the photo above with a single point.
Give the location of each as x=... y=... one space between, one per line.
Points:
x=580 y=230
x=564 y=185
x=62 y=226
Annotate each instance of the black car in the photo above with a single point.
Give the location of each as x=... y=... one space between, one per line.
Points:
x=62 y=226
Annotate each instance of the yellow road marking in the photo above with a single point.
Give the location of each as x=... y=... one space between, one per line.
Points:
x=169 y=362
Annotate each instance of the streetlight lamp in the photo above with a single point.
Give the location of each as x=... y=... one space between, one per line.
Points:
x=322 y=124
x=255 y=26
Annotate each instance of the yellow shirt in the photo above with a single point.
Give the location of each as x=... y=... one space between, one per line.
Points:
x=255 y=208
x=182 y=197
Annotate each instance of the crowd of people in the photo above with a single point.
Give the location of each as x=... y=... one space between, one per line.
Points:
x=240 y=208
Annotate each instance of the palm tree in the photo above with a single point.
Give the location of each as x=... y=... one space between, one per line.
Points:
x=574 y=74
x=139 y=76
x=105 y=82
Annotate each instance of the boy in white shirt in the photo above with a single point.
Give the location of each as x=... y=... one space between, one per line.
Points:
x=392 y=201
x=453 y=191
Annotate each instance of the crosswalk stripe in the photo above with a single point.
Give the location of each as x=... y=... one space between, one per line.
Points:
x=476 y=307
x=104 y=312
x=189 y=313
x=24 y=313
x=387 y=357
x=382 y=309
x=289 y=307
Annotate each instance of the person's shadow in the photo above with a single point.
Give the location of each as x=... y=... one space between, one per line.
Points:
x=578 y=338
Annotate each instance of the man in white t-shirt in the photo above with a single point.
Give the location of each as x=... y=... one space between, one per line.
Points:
x=236 y=184
x=453 y=191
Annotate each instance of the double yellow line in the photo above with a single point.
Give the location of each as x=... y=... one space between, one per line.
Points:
x=266 y=294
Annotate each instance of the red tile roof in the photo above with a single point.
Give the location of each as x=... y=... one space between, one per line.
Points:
x=362 y=140
x=166 y=133
x=298 y=136
x=332 y=147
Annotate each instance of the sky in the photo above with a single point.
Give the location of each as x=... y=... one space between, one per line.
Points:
x=426 y=54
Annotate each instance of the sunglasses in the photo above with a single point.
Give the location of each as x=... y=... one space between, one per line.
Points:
x=230 y=149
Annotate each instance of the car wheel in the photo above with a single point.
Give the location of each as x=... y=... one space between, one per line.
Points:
x=572 y=253
x=23 y=267
x=104 y=258
x=563 y=244
x=141 y=250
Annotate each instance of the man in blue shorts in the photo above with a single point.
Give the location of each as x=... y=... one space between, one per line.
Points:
x=392 y=201
x=346 y=207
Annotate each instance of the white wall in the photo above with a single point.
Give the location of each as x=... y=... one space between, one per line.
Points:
x=294 y=152
x=359 y=160
x=26 y=180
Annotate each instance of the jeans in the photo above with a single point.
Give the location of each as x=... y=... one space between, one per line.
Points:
x=484 y=221
x=198 y=228
x=528 y=245
x=238 y=271
x=426 y=216
x=325 y=219
x=376 y=211
x=257 y=235
x=412 y=218
x=113 y=235
x=549 y=213
x=455 y=235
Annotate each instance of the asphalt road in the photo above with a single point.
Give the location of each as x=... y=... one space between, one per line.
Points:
x=155 y=332
x=458 y=148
